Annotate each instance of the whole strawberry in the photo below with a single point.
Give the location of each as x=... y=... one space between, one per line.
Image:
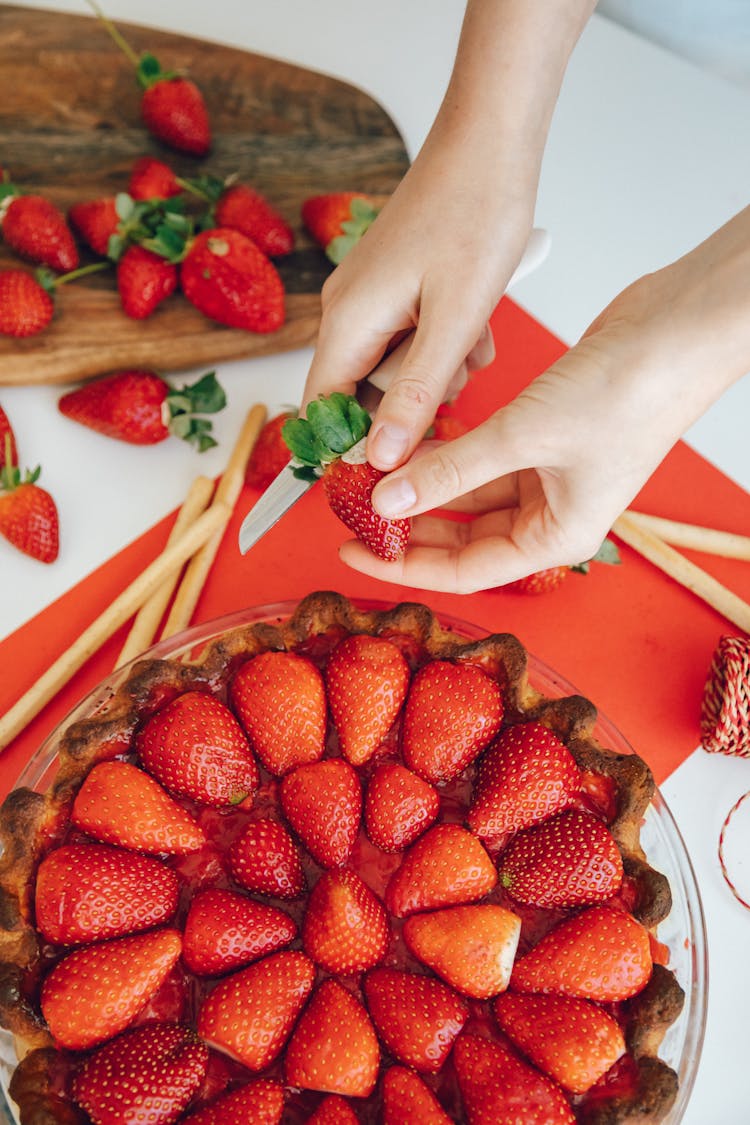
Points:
x=172 y=106
x=95 y=221
x=540 y=582
x=144 y=280
x=270 y=453
x=346 y=927
x=28 y=514
x=35 y=229
x=140 y=407
x=26 y=307
x=230 y=280
x=416 y=1016
x=399 y=806
x=337 y=220
x=244 y=209
x=225 y=930
x=323 y=804
x=329 y=443
x=334 y=1047
x=265 y=860
x=496 y=1085
x=367 y=679
x=447 y=866
x=152 y=179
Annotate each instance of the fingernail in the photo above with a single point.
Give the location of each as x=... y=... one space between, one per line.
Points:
x=389 y=445
x=393 y=497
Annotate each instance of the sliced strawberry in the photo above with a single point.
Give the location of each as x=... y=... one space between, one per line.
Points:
x=249 y=1014
x=225 y=930
x=399 y=806
x=323 y=804
x=152 y=179
x=270 y=454
x=147 y=1075
x=195 y=747
x=280 y=700
x=121 y=804
x=526 y=776
x=264 y=859
x=95 y=221
x=497 y=1086
x=445 y=867
x=453 y=711
x=600 y=954
x=95 y=992
x=90 y=892
x=367 y=679
x=346 y=927
x=470 y=947
x=417 y=1017
x=571 y=859
x=257 y=1103
x=144 y=281
x=244 y=209
x=573 y=1041
x=334 y=1047
x=407 y=1098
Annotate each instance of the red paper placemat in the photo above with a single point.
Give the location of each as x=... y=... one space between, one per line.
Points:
x=628 y=637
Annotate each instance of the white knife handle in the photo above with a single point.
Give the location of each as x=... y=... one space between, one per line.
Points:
x=537 y=249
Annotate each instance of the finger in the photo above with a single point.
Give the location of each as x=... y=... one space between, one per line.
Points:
x=483 y=352
x=437 y=531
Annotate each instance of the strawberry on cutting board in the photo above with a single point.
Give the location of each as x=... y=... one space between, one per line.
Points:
x=26 y=306
x=230 y=280
x=144 y=280
x=497 y=1085
x=257 y=1103
x=140 y=407
x=243 y=208
x=367 y=679
x=330 y=443
x=95 y=221
x=337 y=220
x=346 y=927
x=265 y=860
x=152 y=179
x=417 y=1017
x=148 y=1075
x=28 y=514
x=35 y=229
x=334 y=1047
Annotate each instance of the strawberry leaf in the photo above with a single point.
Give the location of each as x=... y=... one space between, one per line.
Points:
x=206 y=396
x=607 y=553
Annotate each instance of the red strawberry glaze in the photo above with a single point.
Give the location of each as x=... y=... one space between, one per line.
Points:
x=182 y=994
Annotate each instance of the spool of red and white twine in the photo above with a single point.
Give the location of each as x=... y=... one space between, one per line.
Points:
x=725 y=722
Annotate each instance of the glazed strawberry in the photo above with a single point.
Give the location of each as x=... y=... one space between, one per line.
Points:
x=196 y=748
x=337 y=220
x=333 y=1110
x=230 y=280
x=225 y=930
x=25 y=305
x=600 y=954
x=36 y=230
x=149 y=1075
x=399 y=806
x=334 y=1047
x=265 y=860
x=95 y=992
x=89 y=892
x=280 y=700
x=259 y=1103
x=445 y=867
x=346 y=927
x=144 y=281
x=496 y=1085
x=470 y=947
x=249 y=1014
x=121 y=804
x=573 y=1041
x=570 y=859
x=540 y=582
x=417 y=1017
x=366 y=681
x=244 y=209
x=330 y=442
x=95 y=221
x=452 y=713
x=8 y=447
x=407 y=1098
x=526 y=776
x=140 y=407
x=28 y=514
x=152 y=179
x=323 y=804
x=270 y=453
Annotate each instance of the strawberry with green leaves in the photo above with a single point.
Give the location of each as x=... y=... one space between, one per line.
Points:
x=265 y=860
x=149 y=1075
x=260 y=1102
x=367 y=679
x=28 y=514
x=407 y=1098
x=334 y=1047
x=572 y=1040
x=95 y=221
x=417 y=1017
x=496 y=1085
x=144 y=281
x=93 y=892
x=97 y=991
x=323 y=804
x=27 y=300
x=330 y=443
x=570 y=859
x=399 y=807
x=337 y=220
x=196 y=748
x=447 y=866
x=470 y=947
x=141 y=407
x=346 y=927
x=35 y=229
x=225 y=930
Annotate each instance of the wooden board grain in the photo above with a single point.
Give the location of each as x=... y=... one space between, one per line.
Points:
x=70 y=128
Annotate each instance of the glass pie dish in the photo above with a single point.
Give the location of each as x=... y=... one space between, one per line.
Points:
x=682 y=931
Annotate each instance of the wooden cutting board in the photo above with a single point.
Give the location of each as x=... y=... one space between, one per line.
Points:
x=70 y=128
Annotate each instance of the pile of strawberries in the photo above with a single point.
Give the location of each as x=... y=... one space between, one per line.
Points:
x=259 y=910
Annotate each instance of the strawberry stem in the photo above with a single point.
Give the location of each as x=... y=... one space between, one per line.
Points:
x=119 y=39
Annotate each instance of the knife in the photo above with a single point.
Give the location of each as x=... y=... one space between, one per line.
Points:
x=286 y=489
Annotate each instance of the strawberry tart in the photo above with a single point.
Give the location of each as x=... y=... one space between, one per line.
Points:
x=345 y=867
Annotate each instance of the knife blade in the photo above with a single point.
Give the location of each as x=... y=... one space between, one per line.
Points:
x=286 y=489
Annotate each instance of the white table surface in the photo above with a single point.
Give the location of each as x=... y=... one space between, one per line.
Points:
x=647 y=155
